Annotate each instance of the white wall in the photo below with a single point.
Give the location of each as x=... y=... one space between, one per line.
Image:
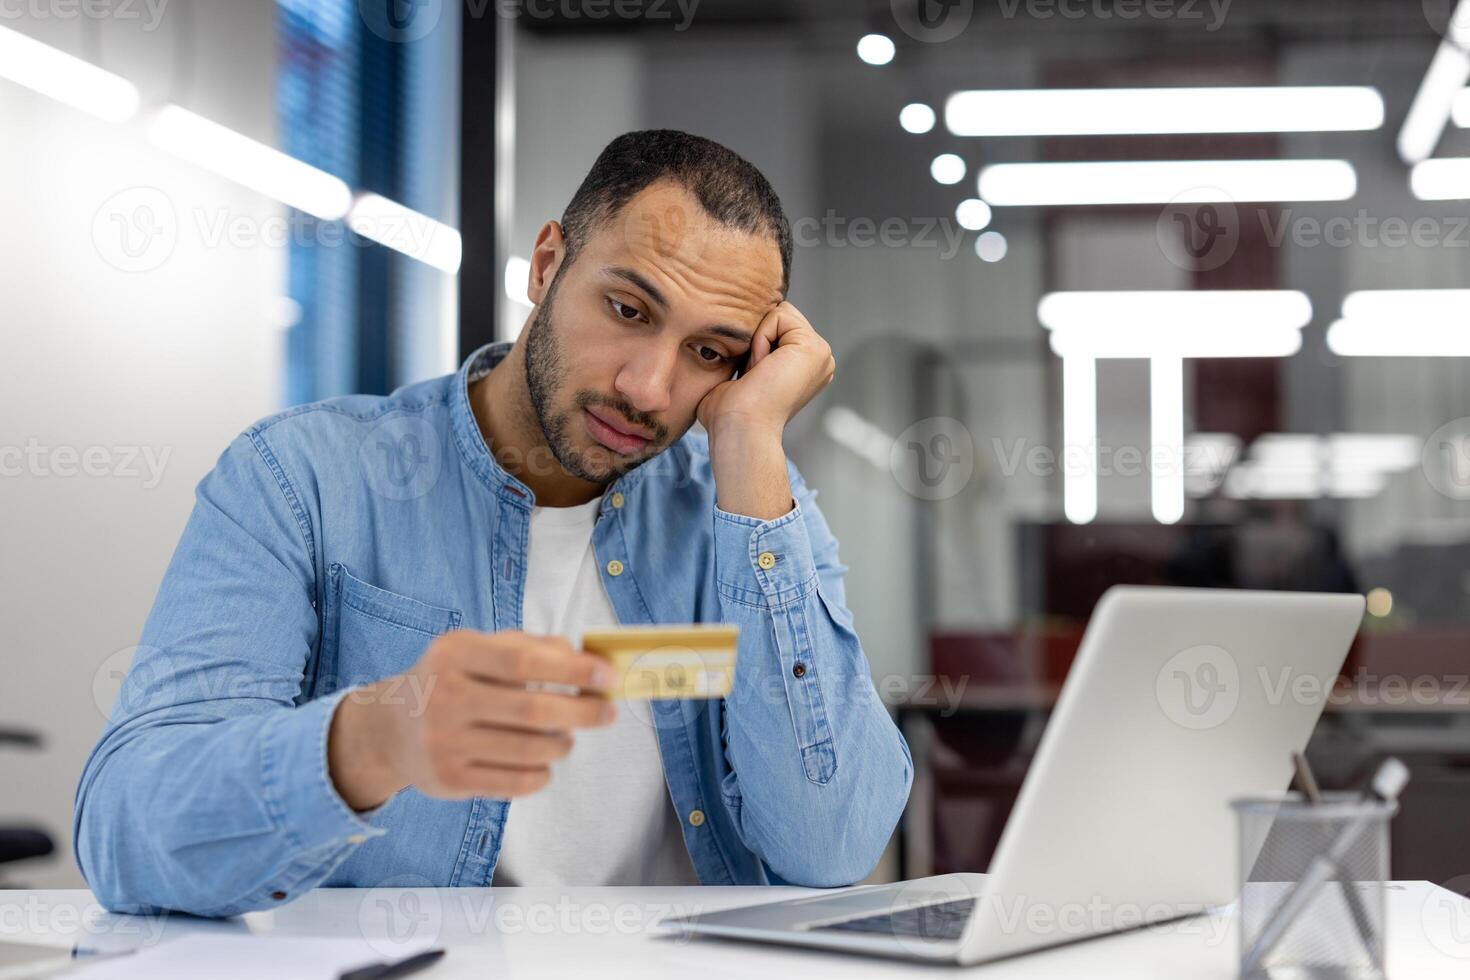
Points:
x=175 y=360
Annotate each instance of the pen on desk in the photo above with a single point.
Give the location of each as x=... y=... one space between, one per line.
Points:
x=399 y=968
x=1310 y=790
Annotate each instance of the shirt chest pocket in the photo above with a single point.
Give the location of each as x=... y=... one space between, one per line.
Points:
x=371 y=633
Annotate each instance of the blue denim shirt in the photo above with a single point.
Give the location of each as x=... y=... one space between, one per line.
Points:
x=328 y=546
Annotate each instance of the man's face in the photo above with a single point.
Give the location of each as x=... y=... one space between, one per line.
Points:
x=656 y=309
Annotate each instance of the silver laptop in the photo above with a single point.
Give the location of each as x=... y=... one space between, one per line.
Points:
x=1179 y=700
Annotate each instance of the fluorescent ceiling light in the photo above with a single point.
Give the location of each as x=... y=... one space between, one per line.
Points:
x=1129 y=111
x=1403 y=323
x=1254 y=482
x=1245 y=340
x=1079 y=439
x=1433 y=103
x=875 y=49
x=1445 y=179
x=1344 y=464
x=1167 y=182
x=1287 y=450
x=947 y=168
x=1396 y=305
x=1177 y=310
x=56 y=74
x=1369 y=338
x=1373 y=451
x=1166 y=438
x=972 y=214
x=406 y=230
x=1340 y=451
x=916 y=117
x=1461 y=111
x=250 y=164
x=991 y=246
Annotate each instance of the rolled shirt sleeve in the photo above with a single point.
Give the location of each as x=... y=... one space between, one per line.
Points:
x=208 y=720
x=819 y=771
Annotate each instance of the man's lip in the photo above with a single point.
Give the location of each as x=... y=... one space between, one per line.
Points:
x=612 y=422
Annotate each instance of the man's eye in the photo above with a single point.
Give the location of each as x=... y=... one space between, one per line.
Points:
x=624 y=311
x=711 y=355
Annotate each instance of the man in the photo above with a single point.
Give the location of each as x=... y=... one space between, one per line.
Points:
x=359 y=655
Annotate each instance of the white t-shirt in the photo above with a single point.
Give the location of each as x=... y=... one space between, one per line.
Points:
x=606 y=817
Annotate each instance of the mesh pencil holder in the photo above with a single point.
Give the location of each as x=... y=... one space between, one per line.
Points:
x=1337 y=933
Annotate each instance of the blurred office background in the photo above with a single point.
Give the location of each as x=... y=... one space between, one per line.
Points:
x=1286 y=406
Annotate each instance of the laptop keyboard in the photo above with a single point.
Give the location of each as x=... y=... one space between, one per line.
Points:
x=943 y=920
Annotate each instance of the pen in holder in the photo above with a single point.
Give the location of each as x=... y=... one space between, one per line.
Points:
x=1312 y=883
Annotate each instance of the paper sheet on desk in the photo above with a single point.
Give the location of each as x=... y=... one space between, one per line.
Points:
x=242 y=956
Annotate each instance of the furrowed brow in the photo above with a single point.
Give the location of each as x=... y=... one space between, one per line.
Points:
x=635 y=278
x=639 y=280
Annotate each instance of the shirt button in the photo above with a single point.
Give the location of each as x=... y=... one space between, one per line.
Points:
x=617 y=500
x=278 y=896
x=696 y=818
x=766 y=560
x=798 y=670
x=357 y=838
x=615 y=568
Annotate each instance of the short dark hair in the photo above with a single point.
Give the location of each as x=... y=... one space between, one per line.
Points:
x=728 y=187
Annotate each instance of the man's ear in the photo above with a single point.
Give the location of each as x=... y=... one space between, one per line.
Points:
x=546 y=259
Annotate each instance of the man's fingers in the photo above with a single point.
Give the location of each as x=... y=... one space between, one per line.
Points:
x=475 y=779
x=509 y=707
x=514 y=658
x=765 y=337
x=505 y=748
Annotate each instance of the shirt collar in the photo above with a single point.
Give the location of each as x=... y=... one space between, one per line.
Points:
x=471 y=443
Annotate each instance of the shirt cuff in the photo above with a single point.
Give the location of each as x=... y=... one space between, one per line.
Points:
x=765 y=563
x=298 y=786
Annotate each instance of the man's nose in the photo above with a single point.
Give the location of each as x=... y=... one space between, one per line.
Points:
x=647 y=380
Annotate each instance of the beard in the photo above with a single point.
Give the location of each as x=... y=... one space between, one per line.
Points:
x=546 y=377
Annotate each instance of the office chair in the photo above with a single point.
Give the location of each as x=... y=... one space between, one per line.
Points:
x=20 y=843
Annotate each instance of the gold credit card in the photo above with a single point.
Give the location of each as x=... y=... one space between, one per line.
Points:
x=657 y=662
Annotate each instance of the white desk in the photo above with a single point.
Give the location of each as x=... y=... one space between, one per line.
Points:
x=508 y=933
